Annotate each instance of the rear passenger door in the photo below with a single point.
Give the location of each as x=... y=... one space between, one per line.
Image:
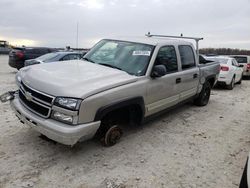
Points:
x=189 y=78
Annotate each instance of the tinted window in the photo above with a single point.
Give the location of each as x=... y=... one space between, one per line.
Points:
x=37 y=50
x=241 y=59
x=234 y=62
x=187 y=57
x=65 y=58
x=74 y=56
x=167 y=56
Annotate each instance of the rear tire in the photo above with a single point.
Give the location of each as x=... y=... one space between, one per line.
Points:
x=240 y=79
x=231 y=85
x=204 y=95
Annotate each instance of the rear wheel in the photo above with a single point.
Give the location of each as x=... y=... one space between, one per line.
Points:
x=231 y=85
x=204 y=95
x=240 y=79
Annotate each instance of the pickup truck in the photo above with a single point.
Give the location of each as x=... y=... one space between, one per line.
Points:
x=120 y=81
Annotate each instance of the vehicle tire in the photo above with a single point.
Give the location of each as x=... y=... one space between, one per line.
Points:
x=243 y=181
x=231 y=85
x=204 y=95
x=240 y=79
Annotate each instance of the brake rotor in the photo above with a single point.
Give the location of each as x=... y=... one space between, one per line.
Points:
x=112 y=135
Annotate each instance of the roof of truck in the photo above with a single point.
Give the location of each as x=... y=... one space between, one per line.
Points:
x=152 y=40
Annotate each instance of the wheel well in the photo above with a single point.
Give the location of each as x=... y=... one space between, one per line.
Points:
x=126 y=115
x=131 y=114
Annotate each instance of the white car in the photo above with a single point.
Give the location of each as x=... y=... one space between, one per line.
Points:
x=230 y=71
x=244 y=61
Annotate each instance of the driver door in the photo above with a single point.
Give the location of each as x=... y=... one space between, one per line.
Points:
x=162 y=92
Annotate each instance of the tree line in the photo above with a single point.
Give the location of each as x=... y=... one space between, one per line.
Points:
x=223 y=51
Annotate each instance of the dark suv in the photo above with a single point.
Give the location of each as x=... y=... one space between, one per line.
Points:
x=17 y=56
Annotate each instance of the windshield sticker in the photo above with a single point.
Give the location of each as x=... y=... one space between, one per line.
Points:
x=144 y=53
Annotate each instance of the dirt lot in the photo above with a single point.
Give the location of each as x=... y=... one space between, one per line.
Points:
x=186 y=147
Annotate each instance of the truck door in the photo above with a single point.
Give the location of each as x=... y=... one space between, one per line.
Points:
x=189 y=79
x=162 y=92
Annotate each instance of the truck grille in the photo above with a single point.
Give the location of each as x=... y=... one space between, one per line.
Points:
x=35 y=101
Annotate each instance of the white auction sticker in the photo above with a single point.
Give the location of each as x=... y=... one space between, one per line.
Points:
x=144 y=53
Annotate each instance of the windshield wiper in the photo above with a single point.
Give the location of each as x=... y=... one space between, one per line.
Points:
x=87 y=59
x=108 y=65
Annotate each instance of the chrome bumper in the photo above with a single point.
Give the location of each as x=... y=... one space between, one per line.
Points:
x=60 y=132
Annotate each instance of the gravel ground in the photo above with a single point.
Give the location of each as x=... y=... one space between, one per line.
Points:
x=187 y=147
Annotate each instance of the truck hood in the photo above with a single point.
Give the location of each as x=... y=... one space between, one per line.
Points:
x=76 y=78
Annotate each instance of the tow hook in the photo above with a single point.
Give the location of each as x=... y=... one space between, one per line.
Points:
x=10 y=95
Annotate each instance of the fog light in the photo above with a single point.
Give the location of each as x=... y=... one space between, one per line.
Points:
x=62 y=117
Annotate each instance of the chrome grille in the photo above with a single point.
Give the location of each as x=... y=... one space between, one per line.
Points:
x=36 y=101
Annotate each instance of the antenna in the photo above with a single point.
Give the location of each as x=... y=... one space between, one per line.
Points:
x=77 y=35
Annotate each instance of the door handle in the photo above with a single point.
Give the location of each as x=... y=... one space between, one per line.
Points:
x=195 y=76
x=178 y=80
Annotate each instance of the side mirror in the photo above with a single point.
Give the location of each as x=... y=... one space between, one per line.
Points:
x=158 y=71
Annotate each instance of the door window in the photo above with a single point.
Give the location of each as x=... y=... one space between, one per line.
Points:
x=235 y=63
x=187 y=57
x=167 y=57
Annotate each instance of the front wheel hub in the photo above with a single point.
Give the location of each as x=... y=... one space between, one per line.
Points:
x=112 y=135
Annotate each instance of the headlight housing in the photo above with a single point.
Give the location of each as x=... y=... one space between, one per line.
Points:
x=68 y=103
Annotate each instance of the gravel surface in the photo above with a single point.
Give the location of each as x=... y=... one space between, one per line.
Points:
x=187 y=147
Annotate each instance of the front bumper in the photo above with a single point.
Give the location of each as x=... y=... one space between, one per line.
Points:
x=60 y=132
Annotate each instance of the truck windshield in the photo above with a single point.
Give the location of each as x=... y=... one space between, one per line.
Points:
x=130 y=57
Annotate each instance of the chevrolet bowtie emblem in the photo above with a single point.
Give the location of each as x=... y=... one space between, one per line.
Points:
x=28 y=96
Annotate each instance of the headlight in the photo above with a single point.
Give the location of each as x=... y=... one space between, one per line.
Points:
x=62 y=117
x=69 y=103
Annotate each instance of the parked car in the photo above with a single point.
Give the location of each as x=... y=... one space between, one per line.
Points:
x=122 y=81
x=4 y=47
x=17 y=56
x=54 y=56
x=244 y=62
x=230 y=72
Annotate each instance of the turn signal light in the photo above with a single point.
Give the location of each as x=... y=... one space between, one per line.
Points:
x=248 y=66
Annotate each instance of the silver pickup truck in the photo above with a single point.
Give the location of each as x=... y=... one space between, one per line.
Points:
x=119 y=81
